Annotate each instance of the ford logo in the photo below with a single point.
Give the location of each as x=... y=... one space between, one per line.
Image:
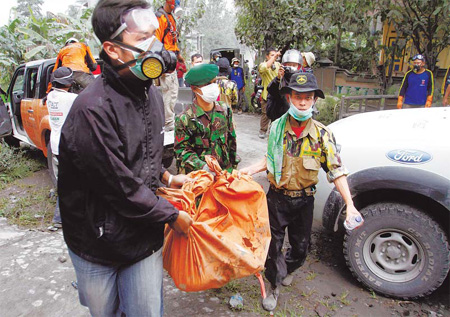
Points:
x=409 y=156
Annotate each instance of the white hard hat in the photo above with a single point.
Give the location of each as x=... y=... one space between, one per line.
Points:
x=292 y=56
x=309 y=57
x=71 y=40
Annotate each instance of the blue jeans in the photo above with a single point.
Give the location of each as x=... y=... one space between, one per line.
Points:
x=135 y=290
x=57 y=213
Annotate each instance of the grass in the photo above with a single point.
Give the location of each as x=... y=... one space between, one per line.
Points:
x=328 y=305
x=32 y=208
x=343 y=298
x=16 y=164
x=311 y=276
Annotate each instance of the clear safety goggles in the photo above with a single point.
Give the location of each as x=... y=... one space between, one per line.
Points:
x=136 y=21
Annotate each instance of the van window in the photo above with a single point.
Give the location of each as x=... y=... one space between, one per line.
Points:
x=32 y=86
x=18 y=84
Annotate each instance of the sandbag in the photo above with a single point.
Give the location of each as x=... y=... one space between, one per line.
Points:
x=230 y=236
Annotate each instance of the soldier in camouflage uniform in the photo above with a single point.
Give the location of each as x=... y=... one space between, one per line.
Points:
x=229 y=92
x=206 y=126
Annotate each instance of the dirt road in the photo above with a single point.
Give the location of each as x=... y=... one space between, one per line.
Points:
x=36 y=273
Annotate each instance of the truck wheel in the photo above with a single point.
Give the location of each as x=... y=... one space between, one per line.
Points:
x=11 y=141
x=52 y=163
x=399 y=251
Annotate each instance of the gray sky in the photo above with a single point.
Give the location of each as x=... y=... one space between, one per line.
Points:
x=55 y=6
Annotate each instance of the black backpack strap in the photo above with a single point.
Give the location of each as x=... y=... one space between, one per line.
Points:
x=159 y=13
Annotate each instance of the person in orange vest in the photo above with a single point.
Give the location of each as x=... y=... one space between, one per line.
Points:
x=168 y=35
x=78 y=57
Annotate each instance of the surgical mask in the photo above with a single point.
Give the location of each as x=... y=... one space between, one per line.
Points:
x=300 y=115
x=137 y=68
x=217 y=58
x=210 y=93
x=236 y=65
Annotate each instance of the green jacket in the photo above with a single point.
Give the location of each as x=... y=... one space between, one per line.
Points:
x=198 y=134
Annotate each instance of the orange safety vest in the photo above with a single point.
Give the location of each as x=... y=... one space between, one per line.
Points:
x=167 y=31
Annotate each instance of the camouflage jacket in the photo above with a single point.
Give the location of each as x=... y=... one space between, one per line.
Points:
x=198 y=134
x=228 y=91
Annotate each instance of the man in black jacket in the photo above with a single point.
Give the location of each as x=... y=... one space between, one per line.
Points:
x=110 y=167
x=277 y=104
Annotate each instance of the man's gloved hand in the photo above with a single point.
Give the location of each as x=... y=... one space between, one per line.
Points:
x=400 y=102
x=182 y=223
x=429 y=101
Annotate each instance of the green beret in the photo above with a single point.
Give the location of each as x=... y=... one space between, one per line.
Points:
x=201 y=74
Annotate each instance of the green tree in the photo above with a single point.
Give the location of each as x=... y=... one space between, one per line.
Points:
x=24 y=7
x=33 y=37
x=426 y=23
x=279 y=23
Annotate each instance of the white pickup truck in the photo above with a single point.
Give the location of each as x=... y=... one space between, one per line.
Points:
x=400 y=181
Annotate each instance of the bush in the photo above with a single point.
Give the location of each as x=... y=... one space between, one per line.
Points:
x=15 y=164
x=328 y=109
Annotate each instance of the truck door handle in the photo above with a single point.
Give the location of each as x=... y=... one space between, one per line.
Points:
x=30 y=111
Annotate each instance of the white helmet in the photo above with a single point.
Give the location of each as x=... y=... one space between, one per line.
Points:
x=292 y=56
x=310 y=58
x=71 y=40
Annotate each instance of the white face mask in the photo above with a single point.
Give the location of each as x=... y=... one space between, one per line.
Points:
x=144 y=45
x=210 y=93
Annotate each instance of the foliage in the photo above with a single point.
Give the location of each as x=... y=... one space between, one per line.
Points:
x=282 y=23
x=324 y=27
x=15 y=164
x=328 y=109
x=35 y=37
x=426 y=23
x=25 y=7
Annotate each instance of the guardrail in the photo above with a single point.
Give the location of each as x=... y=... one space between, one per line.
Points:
x=351 y=105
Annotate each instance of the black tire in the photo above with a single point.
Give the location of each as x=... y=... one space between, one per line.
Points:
x=399 y=251
x=11 y=141
x=52 y=164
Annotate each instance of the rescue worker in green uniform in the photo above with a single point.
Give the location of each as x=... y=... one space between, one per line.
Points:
x=206 y=126
x=298 y=147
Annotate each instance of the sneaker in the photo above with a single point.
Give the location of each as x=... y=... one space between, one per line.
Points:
x=262 y=135
x=287 y=281
x=270 y=302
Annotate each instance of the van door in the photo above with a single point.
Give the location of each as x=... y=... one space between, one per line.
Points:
x=28 y=103
x=5 y=120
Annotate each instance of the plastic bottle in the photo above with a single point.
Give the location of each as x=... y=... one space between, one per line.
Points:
x=355 y=222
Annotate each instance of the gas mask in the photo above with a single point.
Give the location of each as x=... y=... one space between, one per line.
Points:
x=416 y=68
x=150 y=57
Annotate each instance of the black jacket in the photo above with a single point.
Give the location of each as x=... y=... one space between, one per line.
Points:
x=110 y=163
x=277 y=104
